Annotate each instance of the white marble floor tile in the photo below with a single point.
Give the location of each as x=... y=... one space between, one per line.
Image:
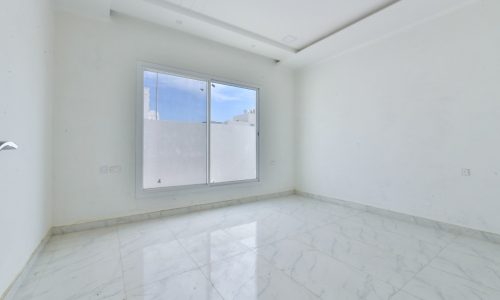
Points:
x=154 y=262
x=474 y=268
x=100 y=279
x=81 y=240
x=412 y=230
x=192 y=285
x=323 y=275
x=37 y=271
x=133 y=239
x=208 y=247
x=314 y=218
x=434 y=284
x=84 y=265
x=402 y=295
x=287 y=248
x=480 y=248
x=198 y=222
x=249 y=276
x=385 y=265
x=253 y=210
x=266 y=230
x=340 y=211
x=421 y=251
x=297 y=206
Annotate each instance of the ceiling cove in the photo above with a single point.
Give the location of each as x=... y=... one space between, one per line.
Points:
x=294 y=32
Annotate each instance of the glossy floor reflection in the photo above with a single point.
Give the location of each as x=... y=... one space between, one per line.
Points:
x=287 y=248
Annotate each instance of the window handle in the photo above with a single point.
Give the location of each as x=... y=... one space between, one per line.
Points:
x=7 y=146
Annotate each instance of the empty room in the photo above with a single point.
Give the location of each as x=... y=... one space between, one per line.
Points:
x=237 y=149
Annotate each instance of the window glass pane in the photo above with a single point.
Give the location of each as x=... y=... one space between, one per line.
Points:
x=150 y=79
x=175 y=131
x=233 y=133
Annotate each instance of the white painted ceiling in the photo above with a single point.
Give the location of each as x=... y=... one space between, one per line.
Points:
x=295 y=32
x=293 y=23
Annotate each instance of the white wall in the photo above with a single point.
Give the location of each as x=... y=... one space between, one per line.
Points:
x=392 y=124
x=94 y=114
x=26 y=32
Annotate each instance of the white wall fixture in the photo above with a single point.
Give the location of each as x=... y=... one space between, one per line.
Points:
x=7 y=145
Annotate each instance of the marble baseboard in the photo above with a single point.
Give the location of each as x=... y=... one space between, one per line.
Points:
x=163 y=213
x=12 y=289
x=456 y=229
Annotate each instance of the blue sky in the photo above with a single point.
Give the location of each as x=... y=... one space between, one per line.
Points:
x=184 y=99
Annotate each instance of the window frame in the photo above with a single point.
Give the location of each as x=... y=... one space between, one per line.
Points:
x=141 y=192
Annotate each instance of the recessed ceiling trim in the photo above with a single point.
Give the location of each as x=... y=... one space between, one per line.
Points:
x=201 y=17
x=350 y=23
x=396 y=19
x=378 y=23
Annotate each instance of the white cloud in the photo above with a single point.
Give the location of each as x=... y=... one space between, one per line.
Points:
x=220 y=92
x=224 y=93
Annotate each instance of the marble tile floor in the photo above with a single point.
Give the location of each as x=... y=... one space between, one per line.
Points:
x=286 y=248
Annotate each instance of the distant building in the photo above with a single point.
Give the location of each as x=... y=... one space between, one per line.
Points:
x=249 y=117
x=148 y=113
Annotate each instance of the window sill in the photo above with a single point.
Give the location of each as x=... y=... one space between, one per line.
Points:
x=152 y=193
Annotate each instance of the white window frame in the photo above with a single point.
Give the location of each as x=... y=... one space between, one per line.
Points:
x=141 y=192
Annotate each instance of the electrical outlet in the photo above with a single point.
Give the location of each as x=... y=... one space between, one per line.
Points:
x=115 y=169
x=466 y=172
x=103 y=170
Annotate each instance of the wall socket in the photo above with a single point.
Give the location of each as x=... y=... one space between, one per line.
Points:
x=466 y=172
x=103 y=170
x=115 y=169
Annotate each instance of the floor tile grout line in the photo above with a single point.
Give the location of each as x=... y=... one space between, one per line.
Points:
x=249 y=249
x=30 y=274
x=326 y=223
x=408 y=236
x=377 y=231
x=206 y=277
x=51 y=259
x=121 y=261
x=465 y=278
x=334 y=258
x=346 y=263
x=402 y=291
x=364 y=212
x=441 y=225
x=268 y=262
x=291 y=235
x=365 y=272
x=211 y=283
x=369 y=244
x=424 y=267
x=198 y=267
x=173 y=274
x=289 y=277
x=324 y=253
